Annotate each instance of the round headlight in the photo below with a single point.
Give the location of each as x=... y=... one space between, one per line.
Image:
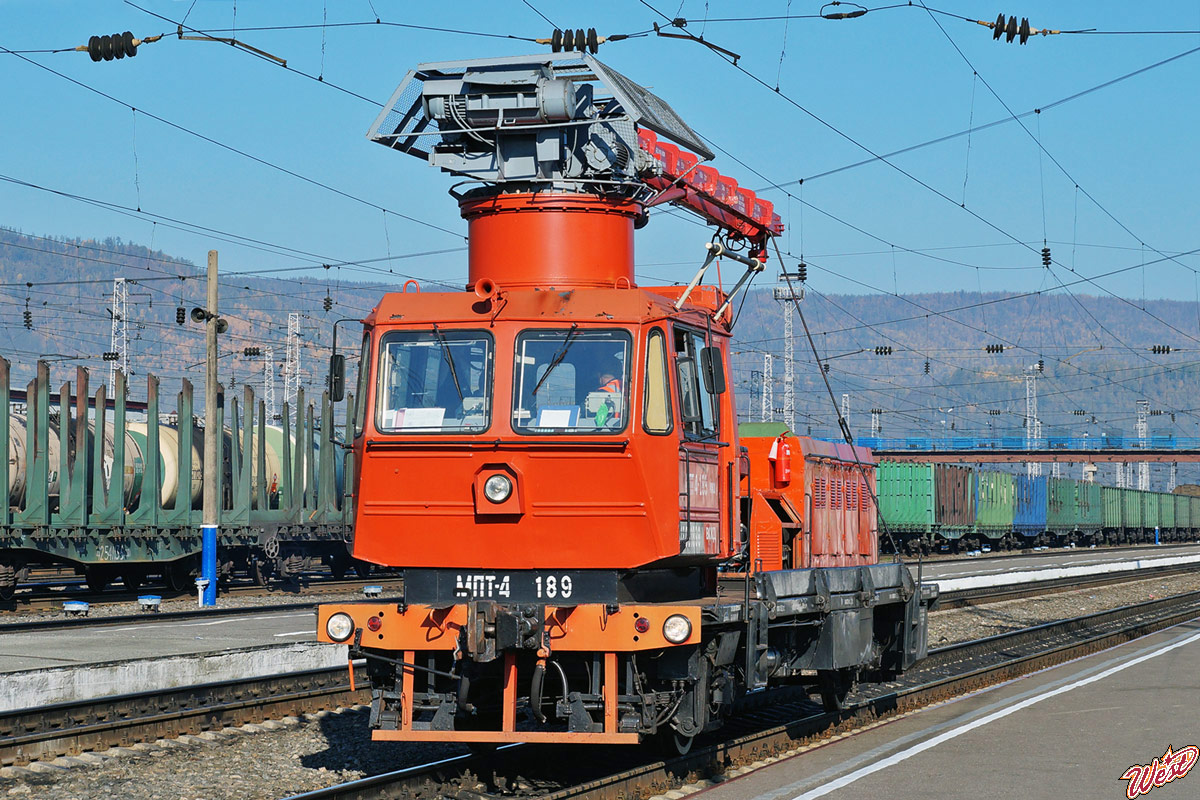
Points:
x=339 y=626
x=677 y=629
x=497 y=488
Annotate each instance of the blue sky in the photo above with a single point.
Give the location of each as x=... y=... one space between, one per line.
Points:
x=887 y=80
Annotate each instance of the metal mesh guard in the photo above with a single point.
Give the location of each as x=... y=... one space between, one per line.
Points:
x=402 y=117
x=650 y=110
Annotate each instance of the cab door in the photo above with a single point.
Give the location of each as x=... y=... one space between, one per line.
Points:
x=703 y=493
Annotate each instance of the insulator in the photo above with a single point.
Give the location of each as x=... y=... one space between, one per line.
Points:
x=1046 y=260
x=926 y=367
x=106 y=48
x=556 y=41
x=111 y=356
x=328 y=302
x=180 y=315
x=1041 y=365
x=1010 y=30
x=593 y=41
x=825 y=367
x=1024 y=30
x=580 y=40
x=802 y=271
x=28 y=319
x=998 y=28
x=568 y=40
x=251 y=351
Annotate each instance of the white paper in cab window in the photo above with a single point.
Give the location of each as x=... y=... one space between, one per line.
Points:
x=555 y=418
x=420 y=417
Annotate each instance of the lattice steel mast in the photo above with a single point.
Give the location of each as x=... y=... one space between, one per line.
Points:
x=119 y=341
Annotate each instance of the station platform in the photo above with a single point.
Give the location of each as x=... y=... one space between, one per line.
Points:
x=1066 y=732
x=1001 y=564
x=43 y=667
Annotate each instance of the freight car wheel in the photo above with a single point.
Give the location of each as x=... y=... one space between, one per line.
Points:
x=97 y=579
x=8 y=580
x=132 y=580
x=178 y=576
x=834 y=685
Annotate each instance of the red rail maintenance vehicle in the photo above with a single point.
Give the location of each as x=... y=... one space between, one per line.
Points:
x=590 y=552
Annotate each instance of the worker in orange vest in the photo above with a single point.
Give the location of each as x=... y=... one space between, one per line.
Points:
x=609 y=382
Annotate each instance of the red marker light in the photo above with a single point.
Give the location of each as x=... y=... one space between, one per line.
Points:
x=374 y=623
x=641 y=625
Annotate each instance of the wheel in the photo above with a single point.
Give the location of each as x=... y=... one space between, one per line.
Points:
x=258 y=570
x=671 y=743
x=97 y=580
x=362 y=569
x=834 y=685
x=132 y=580
x=7 y=590
x=178 y=576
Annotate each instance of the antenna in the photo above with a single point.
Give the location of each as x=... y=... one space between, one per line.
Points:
x=291 y=366
x=119 y=341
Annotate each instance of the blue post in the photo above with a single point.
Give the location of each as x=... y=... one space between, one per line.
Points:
x=208 y=563
x=1156 y=534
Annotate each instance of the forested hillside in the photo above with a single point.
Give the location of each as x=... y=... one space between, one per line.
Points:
x=1094 y=351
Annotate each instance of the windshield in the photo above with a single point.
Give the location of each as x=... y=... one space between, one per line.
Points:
x=571 y=380
x=437 y=381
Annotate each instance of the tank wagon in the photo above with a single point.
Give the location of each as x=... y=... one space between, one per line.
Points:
x=923 y=511
x=591 y=551
x=116 y=497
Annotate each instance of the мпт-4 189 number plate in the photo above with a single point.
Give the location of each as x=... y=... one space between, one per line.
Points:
x=563 y=587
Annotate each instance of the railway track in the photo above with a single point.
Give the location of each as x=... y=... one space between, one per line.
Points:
x=782 y=726
x=785 y=719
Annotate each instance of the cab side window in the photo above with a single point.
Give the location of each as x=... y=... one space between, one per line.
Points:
x=697 y=407
x=656 y=401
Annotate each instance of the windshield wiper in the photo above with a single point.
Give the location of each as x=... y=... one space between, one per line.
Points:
x=449 y=360
x=558 y=357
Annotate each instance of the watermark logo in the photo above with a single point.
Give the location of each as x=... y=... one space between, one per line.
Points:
x=1171 y=765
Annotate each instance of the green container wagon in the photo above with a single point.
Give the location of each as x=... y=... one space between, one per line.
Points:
x=1062 y=502
x=906 y=496
x=1111 y=510
x=1166 y=511
x=1183 y=513
x=1151 y=517
x=1091 y=511
x=995 y=501
x=1194 y=502
x=1131 y=509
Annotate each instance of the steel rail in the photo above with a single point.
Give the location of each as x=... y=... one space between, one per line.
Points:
x=948 y=671
x=121 y=720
